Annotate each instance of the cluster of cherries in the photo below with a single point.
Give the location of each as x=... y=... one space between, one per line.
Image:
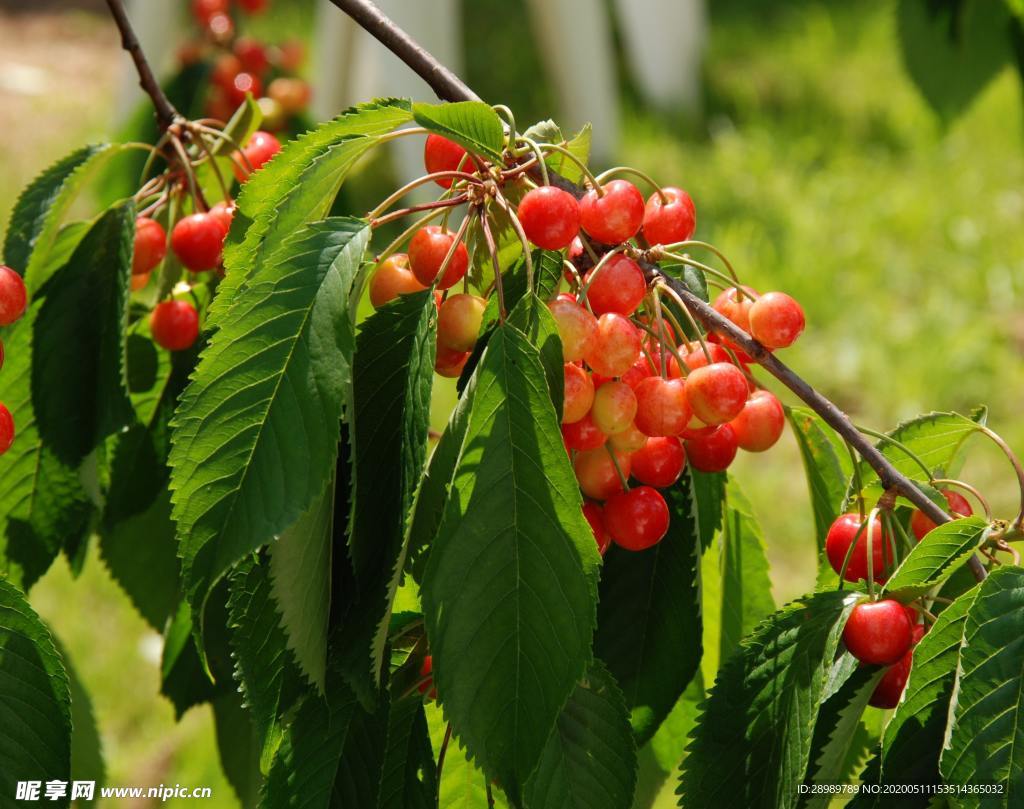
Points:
x=13 y=300
x=243 y=65
x=882 y=632
x=639 y=398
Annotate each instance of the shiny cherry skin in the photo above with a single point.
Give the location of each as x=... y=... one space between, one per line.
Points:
x=150 y=245
x=697 y=358
x=595 y=516
x=618 y=286
x=579 y=394
x=576 y=326
x=459 y=321
x=616 y=345
x=878 y=632
x=920 y=524
x=441 y=154
x=659 y=462
x=837 y=545
x=550 y=217
x=427 y=252
x=6 y=428
x=596 y=473
x=224 y=212
x=174 y=324
x=712 y=452
x=661 y=406
x=252 y=55
x=776 y=320
x=426 y=680
x=637 y=373
x=730 y=304
x=614 y=217
x=671 y=220
x=761 y=422
x=717 y=392
x=582 y=435
x=889 y=689
x=13 y=296
x=257 y=152
x=202 y=10
x=391 y=279
x=198 y=241
x=614 y=407
x=637 y=519
x=448 y=363
x=241 y=86
x=628 y=440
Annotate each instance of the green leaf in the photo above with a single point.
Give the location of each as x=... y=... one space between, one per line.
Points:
x=985 y=736
x=86 y=745
x=510 y=589
x=256 y=432
x=649 y=619
x=392 y=379
x=243 y=123
x=936 y=438
x=668 y=743
x=709 y=503
x=579 y=145
x=361 y=768
x=182 y=678
x=472 y=124
x=752 y=744
x=409 y=778
x=298 y=187
x=953 y=49
x=827 y=465
x=38 y=213
x=79 y=384
x=589 y=761
x=300 y=573
x=936 y=557
x=35 y=702
x=238 y=747
x=533 y=318
x=462 y=785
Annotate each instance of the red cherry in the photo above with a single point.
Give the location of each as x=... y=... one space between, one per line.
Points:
x=291 y=55
x=261 y=147
x=391 y=279
x=224 y=71
x=661 y=406
x=427 y=682
x=576 y=326
x=450 y=363
x=921 y=524
x=243 y=85
x=550 y=217
x=837 y=544
x=583 y=435
x=637 y=373
x=252 y=55
x=595 y=516
x=575 y=250
x=713 y=452
x=741 y=355
x=717 y=392
x=293 y=95
x=13 y=296
x=878 y=632
x=730 y=305
x=776 y=320
x=459 y=321
x=672 y=221
x=174 y=324
x=614 y=217
x=628 y=440
x=224 y=212
x=616 y=345
x=760 y=423
x=579 y=394
x=198 y=241
x=889 y=689
x=203 y=10
x=636 y=519
x=614 y=406
x=596 y=474
x=150 y=245
x=6 y=428
x=441 y=154
x=618 y=286
x=659 y=462
x=427 y=252
x=698 y=359
x=254 y=6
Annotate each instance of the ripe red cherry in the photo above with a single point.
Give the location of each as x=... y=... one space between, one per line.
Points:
x=628 y=440
x=224 y=212
x=243 y=85
x=616 y=345
x=252 y=55
x=441 y=154
x=698 y=359
x=175 y=325
x=576 y=326
x=579 y=394
x=717 y=392
x=659 y=462
x=614 y=406
x=198 y=241
x=889 y=689
x=293 y=95
x=637 y=373
x=13 y=297
x=671 y=221
x=712 y=452
x=636 y=519
x=878 y=632
x=661 y=406
x=618 y=286
x=837 y=544
x=760 y=423
x=261 y=147
x=583 y=435
x=391 y=279
x=776 y=320
x=427 y=682
x=596 y=473
x=202 y=10
x=459 y=321
x=150 y=245
x=730 y=305
x=595 y=516
x=958 y=507
x=427 y=252
x=550 y=217
x=450 y=363
x=614 y=217
x=6 y=428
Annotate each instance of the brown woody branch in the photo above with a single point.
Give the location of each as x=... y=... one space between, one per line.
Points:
x=165 y=112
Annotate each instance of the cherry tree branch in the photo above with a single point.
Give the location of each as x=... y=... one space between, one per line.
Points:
x=166 y=114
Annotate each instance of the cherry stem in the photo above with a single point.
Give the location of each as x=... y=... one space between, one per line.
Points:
x=685 y=259
x=452 y=202
x=900 y=446
x=740 y=292
x=604 y=175
x=391 y=199
x=490 y=794
x=441 y=756
x=890 y=527
x=403 y=237
x=541 y=164
x=194 y=188
x=216 y=168
x=166 y=114
x=403 y=133
x=967 y=487
x=597 y=268
x=485 y=226
x=510 y=121
x=871 y=551
x=689 y=316
x=618 y=469
x=858 y=482
x=1018 y=523
x=849 y=553
x=518 y=227
x=554 y=147
x=683 y=367
x=456 y=241
x=662 y=341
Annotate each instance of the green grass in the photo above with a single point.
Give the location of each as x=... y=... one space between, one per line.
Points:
x=819 y=170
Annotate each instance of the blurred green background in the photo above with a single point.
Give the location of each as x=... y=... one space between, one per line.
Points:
x=815 y=166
